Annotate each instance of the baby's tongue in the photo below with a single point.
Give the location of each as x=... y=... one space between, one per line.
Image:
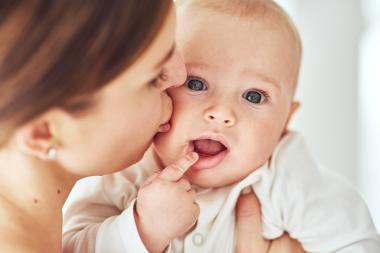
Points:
x=208 y=147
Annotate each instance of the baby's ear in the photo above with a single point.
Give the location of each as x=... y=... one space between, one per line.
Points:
x=35 y=138
x=293 y=108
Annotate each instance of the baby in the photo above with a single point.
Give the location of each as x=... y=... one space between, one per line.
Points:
x=243 y=60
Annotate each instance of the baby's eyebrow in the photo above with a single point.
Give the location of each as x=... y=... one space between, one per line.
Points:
x=267 y=79
x=198 y=64
x=260 y=76
x=203 y=65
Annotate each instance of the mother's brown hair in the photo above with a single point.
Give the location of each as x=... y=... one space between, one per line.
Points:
x=53 y=52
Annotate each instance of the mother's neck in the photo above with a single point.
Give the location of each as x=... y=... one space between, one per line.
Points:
x=32 y=193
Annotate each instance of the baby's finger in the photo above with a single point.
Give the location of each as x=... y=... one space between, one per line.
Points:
x=185 y=184
x=196 y=210
x=193 y=194
x=150 y=179
x=175 y=171
x=285 y=244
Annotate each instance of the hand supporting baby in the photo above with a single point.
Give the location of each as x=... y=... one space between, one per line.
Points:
x=165 y=206
x=248 y=222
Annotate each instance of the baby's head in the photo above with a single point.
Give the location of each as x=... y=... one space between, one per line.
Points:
x=243 y=59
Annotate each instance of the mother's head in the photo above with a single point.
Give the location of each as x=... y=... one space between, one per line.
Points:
x=87 y=79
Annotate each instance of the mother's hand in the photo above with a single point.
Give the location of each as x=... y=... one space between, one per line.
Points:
x=249 y=238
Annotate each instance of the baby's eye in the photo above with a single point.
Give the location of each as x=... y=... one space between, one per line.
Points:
x=254 y=97
x=195 y=85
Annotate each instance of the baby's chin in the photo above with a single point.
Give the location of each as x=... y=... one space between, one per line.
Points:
x=203 y=183
x=209 y=182
x=216 y=177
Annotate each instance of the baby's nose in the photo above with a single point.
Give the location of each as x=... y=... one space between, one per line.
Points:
x=221 y=116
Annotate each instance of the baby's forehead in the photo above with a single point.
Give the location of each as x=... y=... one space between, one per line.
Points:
x=273 y=23
x=246 y=11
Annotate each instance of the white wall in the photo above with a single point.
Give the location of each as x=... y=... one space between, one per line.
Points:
x=369 y=108
x=340 y=116
x=330 y=30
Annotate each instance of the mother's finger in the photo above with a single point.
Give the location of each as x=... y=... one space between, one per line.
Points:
x=285 y=244
x=248 y=222
x=175 y=171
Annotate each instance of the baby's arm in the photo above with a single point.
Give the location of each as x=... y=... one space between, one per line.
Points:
x=315 y=206
x=99 y=215
x=102 y=215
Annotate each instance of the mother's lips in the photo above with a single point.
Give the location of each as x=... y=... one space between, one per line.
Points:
x=164 y=128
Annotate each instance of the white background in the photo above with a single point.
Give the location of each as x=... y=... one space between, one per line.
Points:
x=339 y=88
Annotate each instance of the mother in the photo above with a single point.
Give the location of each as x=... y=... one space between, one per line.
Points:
x=83 y=92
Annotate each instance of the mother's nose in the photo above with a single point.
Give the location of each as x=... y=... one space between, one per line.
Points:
x=175 y=71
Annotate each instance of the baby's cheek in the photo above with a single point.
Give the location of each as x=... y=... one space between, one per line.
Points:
x=166 y=148
x=255 y=156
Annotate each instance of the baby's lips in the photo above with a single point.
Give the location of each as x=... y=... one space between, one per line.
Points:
x=164 y=128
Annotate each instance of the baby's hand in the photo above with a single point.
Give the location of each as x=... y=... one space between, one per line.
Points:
x=165 y=206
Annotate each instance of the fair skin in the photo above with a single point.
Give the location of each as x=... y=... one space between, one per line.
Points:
x=127 y=101
x=112 y=134
x=107 y=137
x=219 y=111
x=238 y=97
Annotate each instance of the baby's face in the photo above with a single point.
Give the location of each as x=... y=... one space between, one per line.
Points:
x=236 y=101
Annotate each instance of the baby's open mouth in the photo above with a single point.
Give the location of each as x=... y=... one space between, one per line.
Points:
x=211 y=153
x=208 y=147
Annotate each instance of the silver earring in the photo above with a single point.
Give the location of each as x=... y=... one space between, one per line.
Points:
x=51 y=153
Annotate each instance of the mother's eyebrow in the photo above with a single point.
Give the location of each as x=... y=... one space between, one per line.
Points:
x=166 y=58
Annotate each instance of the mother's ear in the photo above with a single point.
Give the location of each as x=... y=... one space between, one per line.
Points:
x=293 y=108
x=36 y=138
